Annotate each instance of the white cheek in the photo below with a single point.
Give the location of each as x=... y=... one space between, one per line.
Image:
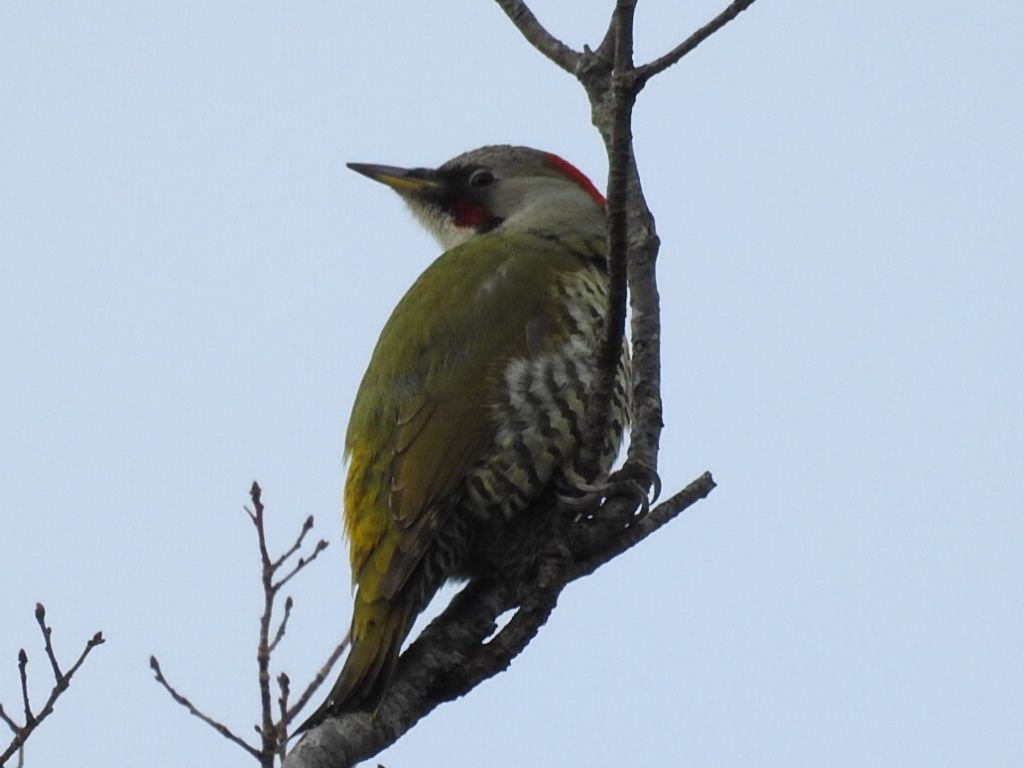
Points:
x=440 y=225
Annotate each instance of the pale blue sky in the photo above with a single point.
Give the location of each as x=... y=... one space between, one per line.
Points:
x=191 y=283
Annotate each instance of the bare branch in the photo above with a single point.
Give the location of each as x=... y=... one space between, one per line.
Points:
x=622 y=26
x=7 y=719
x=284 y=685
x=307 y=526
x=647 y=71
x=644 y=526
x=41 y=620
x=303 y=562
x=256 y=515
x=619 y=146
x=317 y=681
x=496 y=654
x=220 y=728
x=268 y=735
x=23 y=674
x=535 y=33
x=95 y=640
x=17 y=743
x=288 y=603
x=273 y=734
x=453 y=654
x=61 y=683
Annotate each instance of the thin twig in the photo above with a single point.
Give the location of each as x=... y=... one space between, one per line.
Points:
x=307 y=526
x=266 y=729
x=647 y=71
x=61 y=683
x=256 y=515
x=23 y=674
x=284 y=685
x=273 y=733
x=549 y=45
x=288 y=603
x=318 y=680
x=220 y=728
x=47 y=631
x=303 y=562
x=7 y=719
x=96 y=639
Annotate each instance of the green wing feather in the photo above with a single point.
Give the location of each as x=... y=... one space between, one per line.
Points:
x=424 y=407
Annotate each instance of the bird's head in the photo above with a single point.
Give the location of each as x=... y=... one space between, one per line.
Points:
x=495 y=186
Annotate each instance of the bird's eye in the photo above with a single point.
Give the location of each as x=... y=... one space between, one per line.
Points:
x=481 y=178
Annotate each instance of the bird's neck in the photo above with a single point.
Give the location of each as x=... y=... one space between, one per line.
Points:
x=564 y=213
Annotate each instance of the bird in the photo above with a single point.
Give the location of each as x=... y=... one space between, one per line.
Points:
x=474 y=401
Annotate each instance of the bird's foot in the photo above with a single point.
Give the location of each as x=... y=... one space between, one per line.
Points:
x=635 y=482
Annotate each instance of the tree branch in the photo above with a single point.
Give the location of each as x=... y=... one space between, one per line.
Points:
x=219 y=727
x=284 y=685
x=591 y=558
x=288 y=603
x=268 y=736
x=618 y=143
x=456 y=652
x=535 y=33
x=303 y=562
x=318 y=680
x=23 y=674
x=47 y=632
x=61 y=683
x=272 y=727
x=647 y=71
x=307 y=526
x=7 y=719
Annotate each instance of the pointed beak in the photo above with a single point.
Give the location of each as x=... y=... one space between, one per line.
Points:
x=405 y=181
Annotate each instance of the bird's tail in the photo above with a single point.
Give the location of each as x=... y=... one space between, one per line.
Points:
x=378 y=629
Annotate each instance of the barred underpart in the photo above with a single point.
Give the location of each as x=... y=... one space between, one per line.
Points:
x=542 y=415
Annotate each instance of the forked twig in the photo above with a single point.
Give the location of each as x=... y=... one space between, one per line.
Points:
x=273 y=727
x=61 y=682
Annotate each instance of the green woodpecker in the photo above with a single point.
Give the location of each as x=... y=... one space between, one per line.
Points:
x=475 y=398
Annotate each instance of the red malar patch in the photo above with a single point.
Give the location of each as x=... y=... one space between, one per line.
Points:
x=467 y=214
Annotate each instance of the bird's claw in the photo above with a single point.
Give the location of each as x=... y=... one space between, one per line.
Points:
x=633 y=491
x=645 y=477
x=635 y=482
